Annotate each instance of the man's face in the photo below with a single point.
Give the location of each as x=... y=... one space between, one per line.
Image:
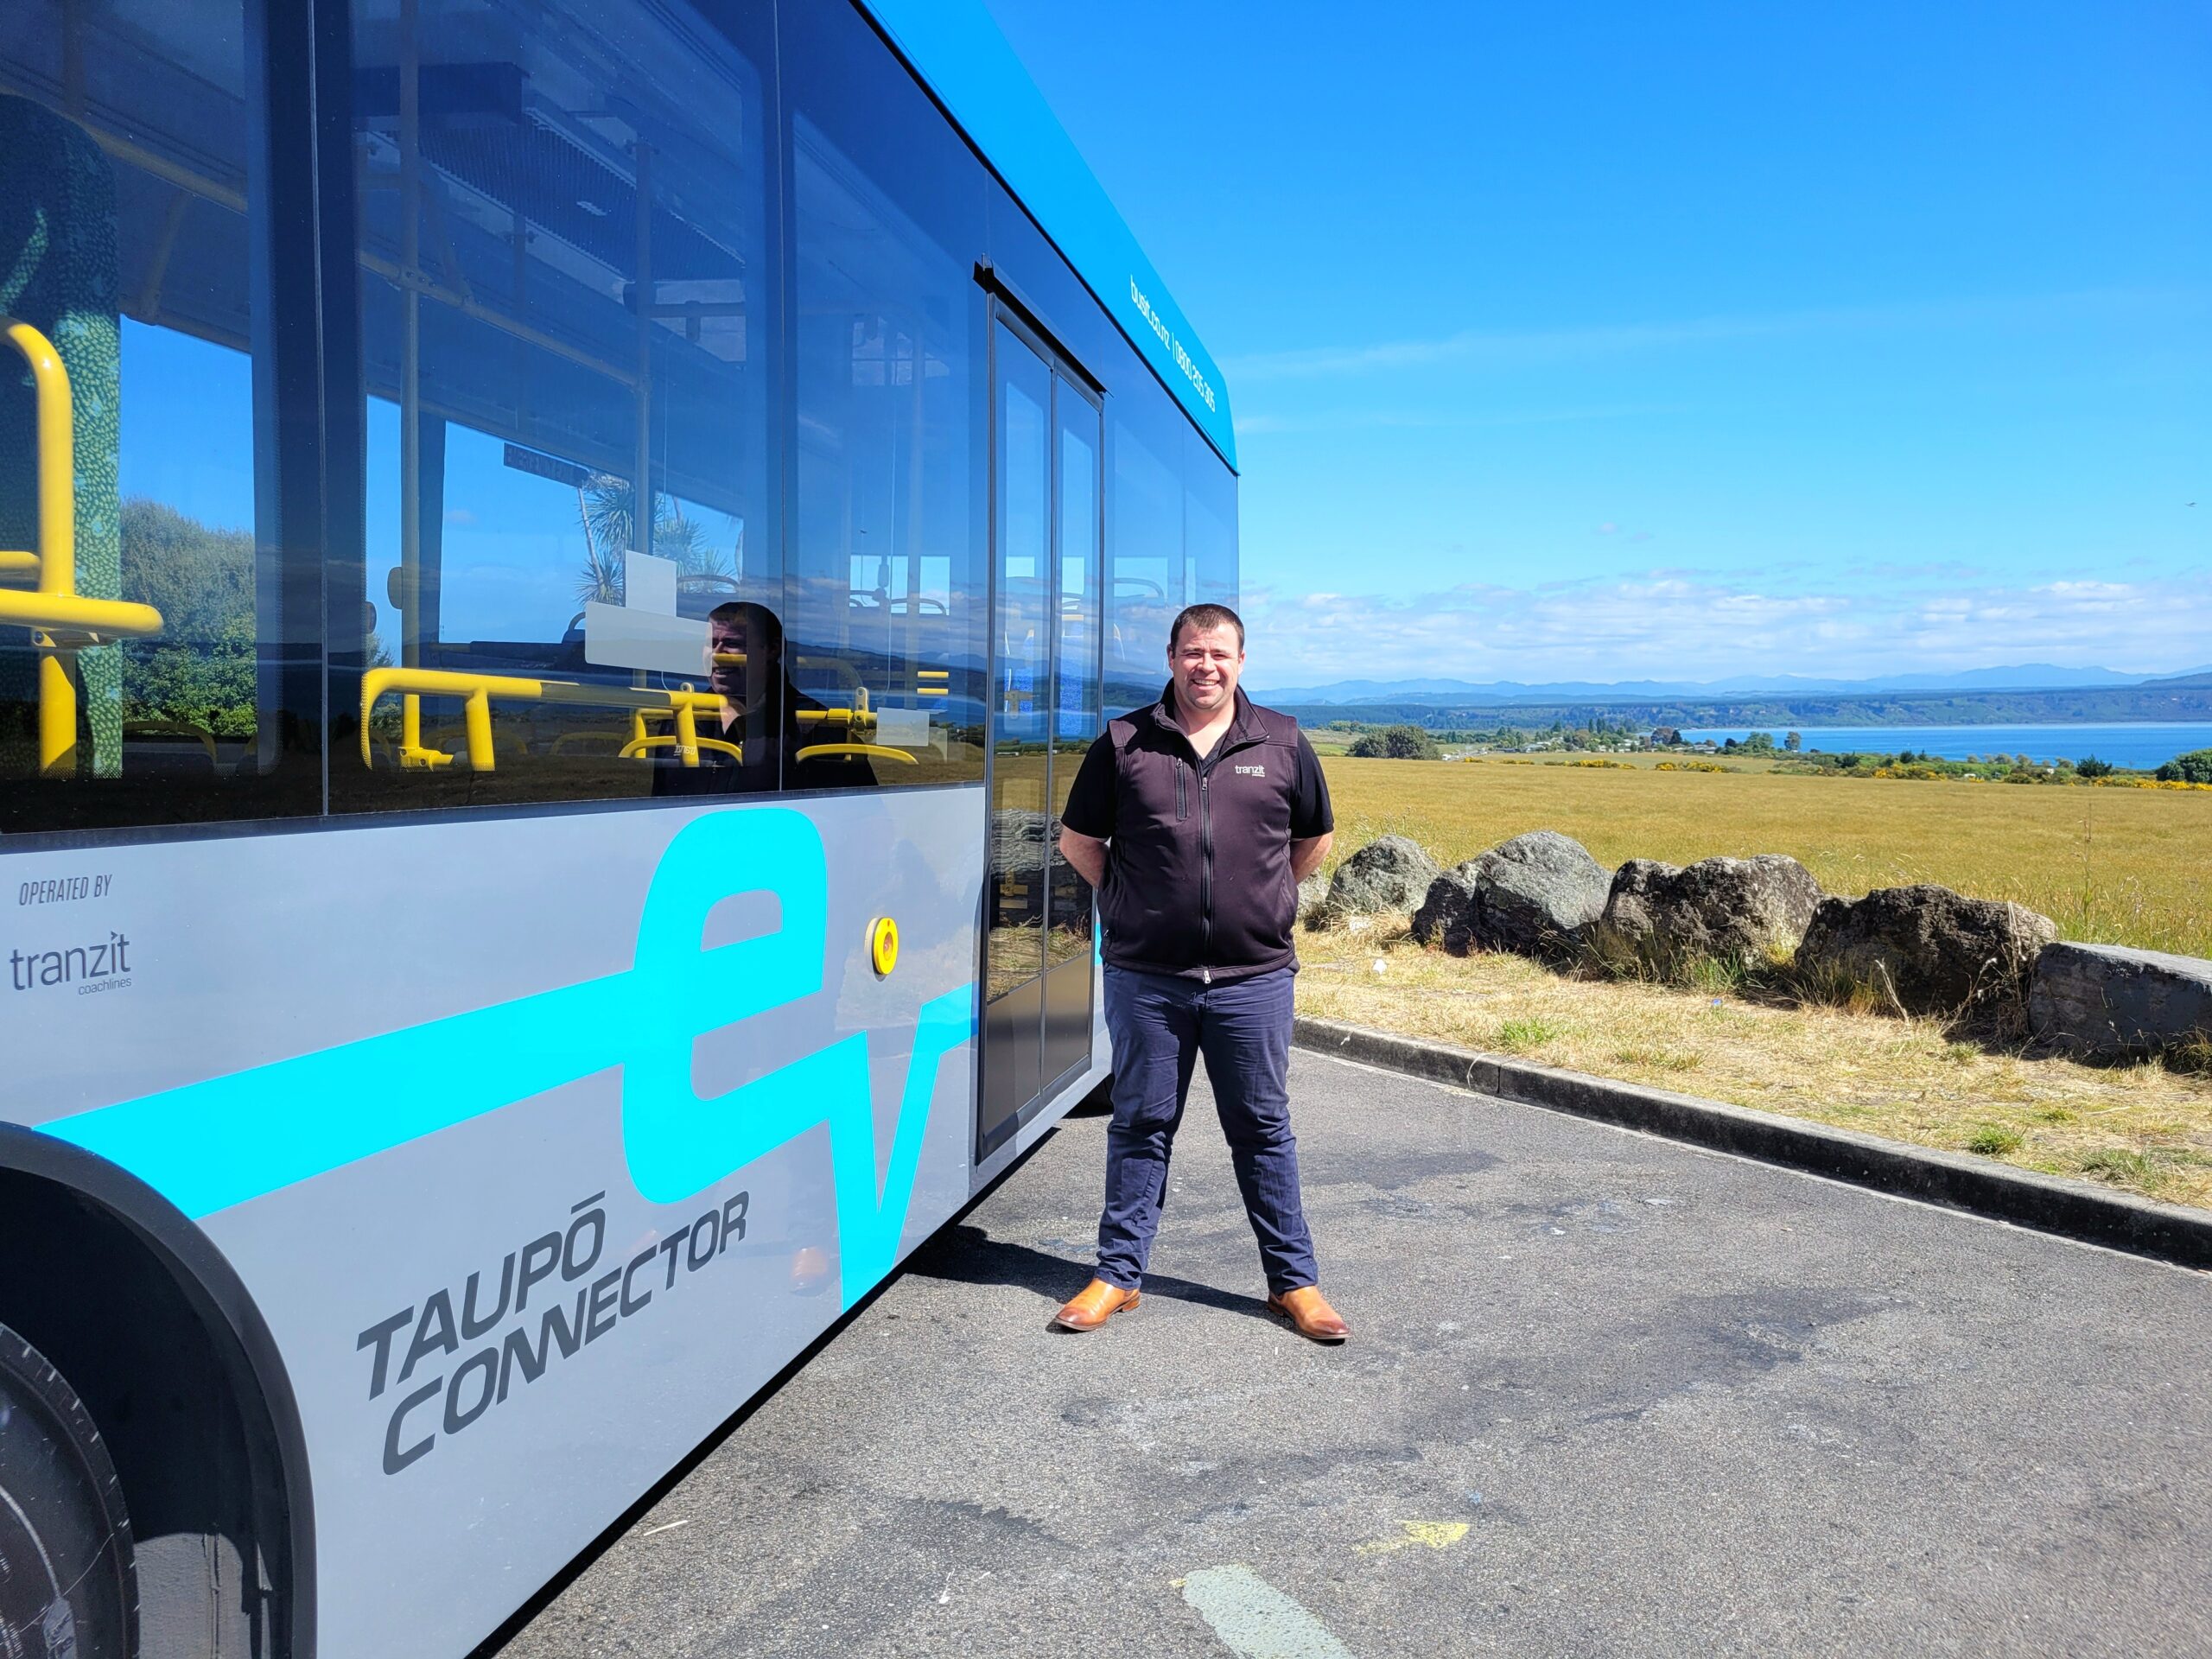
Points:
x=1205 y=663
x=726 y=658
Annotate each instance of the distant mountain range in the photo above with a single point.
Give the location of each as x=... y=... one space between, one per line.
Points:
x=1463 y=694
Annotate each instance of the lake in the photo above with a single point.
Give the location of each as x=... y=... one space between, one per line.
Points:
x=2124 y=743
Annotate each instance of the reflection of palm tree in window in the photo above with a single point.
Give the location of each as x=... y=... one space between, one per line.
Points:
x=607 y=505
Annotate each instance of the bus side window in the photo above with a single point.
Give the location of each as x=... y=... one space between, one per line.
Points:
x=138 y=627
x=1144 y=584
x=887 y=611
x=566 y=278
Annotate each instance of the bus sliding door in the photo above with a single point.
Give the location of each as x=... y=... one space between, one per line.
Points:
x=1038 y=946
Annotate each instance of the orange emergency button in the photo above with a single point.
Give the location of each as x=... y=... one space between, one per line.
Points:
x=883 y=945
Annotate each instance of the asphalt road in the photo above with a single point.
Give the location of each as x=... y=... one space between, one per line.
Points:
x=1606 y=1395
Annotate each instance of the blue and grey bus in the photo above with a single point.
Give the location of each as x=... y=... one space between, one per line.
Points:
x=556 y=558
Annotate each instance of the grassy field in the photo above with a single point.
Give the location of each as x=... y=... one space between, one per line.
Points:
x=2121 y=866
x=2141 y=1127
x=2109 y=866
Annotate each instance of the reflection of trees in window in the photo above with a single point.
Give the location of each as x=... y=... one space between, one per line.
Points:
x=607 y=505
x=200 y=671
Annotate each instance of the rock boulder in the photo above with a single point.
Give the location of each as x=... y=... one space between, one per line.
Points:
x=1384 y=877
x=1313 y=893
x=2103 y=1001
x=1446 y=916
x=1534 y=894
x=1934 y=950
x=1740 y=908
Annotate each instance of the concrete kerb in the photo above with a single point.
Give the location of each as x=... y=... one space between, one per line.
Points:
x=2045 y=1203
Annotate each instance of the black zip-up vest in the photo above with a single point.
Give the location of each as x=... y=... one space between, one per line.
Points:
x=1198 y=879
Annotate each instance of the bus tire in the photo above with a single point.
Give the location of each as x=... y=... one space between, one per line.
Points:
x=68 y=1577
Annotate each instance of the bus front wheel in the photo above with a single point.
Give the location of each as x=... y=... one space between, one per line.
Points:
x=68 y=1585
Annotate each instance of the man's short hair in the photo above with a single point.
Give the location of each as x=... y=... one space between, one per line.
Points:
x=1203 y=617
x=764 y=630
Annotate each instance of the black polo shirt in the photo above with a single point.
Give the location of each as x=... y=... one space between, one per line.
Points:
x=1197 y=874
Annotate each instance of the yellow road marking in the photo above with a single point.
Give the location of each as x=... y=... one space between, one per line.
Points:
x=1436 y=1535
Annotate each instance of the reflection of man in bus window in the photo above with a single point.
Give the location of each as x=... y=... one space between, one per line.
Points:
x=745 y=653
x=753 y=744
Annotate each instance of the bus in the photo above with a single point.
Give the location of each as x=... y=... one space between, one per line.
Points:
x=558 y=558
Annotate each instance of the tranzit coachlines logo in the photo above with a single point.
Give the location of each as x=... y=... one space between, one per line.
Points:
x=104 y=965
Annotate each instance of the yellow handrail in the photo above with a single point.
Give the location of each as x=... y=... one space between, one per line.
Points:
x=859 y=720
x=874 y=751
x=86 y=621
x=59 y=620
x=638 y=746
x=476 y=691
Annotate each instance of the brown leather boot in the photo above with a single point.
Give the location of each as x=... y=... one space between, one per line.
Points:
x=1097 y=1302
x=1309 y=1314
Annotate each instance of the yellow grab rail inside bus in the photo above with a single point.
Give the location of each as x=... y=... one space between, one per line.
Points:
x=62 y=622
x=638 y=746
x=476 y=691
x=874 y=751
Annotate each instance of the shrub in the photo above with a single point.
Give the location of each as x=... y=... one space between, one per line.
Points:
x=2090 y=766
x=2195 y=768
x=1395 y=743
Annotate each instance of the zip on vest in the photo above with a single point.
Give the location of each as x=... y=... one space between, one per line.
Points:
x=1223 y=745
x=1205 y=841
x=1205 y=875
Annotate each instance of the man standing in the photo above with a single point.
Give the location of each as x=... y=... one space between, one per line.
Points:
x=1196 y=819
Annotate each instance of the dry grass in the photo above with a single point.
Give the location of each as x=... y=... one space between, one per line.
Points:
x=2144 y=1128
x=2121 y=866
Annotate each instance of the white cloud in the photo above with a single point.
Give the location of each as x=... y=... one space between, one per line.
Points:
x=1306 y=420
x=1501 y=349
x=1692 y=625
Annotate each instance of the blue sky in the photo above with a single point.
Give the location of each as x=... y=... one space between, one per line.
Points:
x=1605 y=342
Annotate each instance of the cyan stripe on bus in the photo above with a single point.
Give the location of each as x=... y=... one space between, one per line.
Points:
x=207 y=1146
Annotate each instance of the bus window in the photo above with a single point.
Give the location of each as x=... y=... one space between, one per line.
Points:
x=1209 y=523
x=137 y=633
x=1075 y=720
x=889 y=596
x=565 y=269
x=1146 y=583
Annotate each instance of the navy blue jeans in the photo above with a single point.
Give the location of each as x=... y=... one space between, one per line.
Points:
x=1160 y=1025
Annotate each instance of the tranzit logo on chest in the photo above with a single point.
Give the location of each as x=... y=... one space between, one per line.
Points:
x=1251 y=771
